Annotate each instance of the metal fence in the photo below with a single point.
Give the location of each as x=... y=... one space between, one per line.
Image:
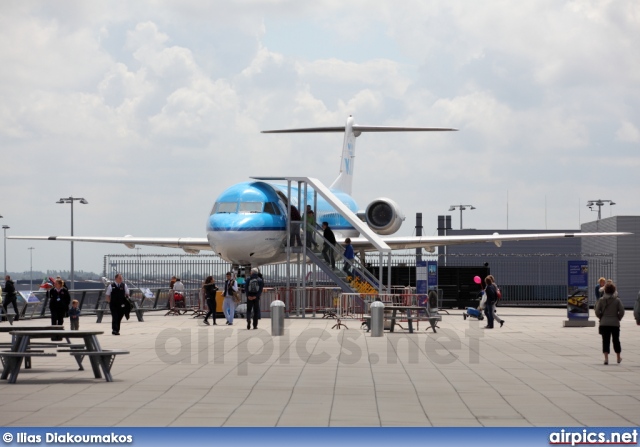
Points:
x=153 y=271
x=525 y=280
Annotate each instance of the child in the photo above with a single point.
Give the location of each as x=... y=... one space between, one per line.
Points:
x=348 y=254
x=74 y=315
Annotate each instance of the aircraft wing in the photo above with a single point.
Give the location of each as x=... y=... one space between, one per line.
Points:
x=189 y=244
x=430 y=242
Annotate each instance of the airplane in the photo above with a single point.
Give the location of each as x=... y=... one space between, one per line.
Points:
x=247 y=225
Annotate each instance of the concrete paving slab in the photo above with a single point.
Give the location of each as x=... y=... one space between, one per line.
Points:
x=532 y=372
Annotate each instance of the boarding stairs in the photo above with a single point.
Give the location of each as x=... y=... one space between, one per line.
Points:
x=336 y=275
x=359 y=280
x=363 y=278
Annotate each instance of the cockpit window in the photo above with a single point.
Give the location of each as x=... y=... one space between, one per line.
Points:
x=226 y=207
x=271 y=208
x=250 y=207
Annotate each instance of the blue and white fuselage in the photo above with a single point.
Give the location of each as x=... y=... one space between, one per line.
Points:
x=248 y=222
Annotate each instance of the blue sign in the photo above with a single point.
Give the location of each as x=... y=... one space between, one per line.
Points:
x=432 y=267
x=578 y=288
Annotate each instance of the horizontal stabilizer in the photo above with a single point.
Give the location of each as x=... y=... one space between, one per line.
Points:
x=307 y=130
x=359 y=128
x=351 y=132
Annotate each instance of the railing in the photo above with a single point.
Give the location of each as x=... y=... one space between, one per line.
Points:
x=36 y=304
x=526 y=280
x=360 y=279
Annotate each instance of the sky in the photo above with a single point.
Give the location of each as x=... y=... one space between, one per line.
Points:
x=150 y=109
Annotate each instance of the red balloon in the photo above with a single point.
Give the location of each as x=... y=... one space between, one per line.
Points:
x=477 y=279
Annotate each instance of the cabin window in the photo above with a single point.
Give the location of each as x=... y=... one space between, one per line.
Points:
x=271 y=208
x=226 y=207
x=250 y=207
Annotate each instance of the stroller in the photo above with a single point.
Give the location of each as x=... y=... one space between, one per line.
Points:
x=472 y=312
x=179 y=301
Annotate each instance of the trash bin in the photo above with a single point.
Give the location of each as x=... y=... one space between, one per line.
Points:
x=277 y=318
x=377 y=319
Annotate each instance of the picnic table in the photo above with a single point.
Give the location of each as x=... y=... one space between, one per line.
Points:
x=28 y=328
x=27 y=363
x=408 y=311
x=100 y=359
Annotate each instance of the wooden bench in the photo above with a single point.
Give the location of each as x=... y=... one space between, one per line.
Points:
x=13 y=360
x=329 y=313
x=105 y=358
x=366 y=321
x=199 y=312
x=100 y=314
x=139 y=311
x=38 y=351
x=432 y=319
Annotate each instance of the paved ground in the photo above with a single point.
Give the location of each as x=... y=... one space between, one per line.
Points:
x=531 y=372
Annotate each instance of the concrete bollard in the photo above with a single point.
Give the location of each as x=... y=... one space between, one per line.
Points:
x=277 y=318
x=377 y=319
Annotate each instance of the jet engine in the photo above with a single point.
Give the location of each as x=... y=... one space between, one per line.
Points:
x=384 y=216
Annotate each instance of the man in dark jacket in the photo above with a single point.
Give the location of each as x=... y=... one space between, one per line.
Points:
x=11 y=296
x=253 y=288
x=330 y=238
x=295 y=227
x=117 y=294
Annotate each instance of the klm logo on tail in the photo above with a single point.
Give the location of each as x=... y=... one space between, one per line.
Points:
x=348 y=166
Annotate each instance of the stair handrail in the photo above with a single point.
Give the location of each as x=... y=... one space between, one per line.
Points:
x=355 y=263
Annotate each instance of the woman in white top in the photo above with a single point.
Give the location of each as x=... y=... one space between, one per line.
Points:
x=229 y=305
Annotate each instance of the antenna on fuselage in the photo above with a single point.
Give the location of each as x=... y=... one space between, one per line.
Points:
x=351 y=132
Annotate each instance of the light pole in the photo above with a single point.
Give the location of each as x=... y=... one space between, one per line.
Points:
x=462 y=208
x=5 y=228
x=71 y=200
x=599 y=203
x=138 y=269
x=31 y=268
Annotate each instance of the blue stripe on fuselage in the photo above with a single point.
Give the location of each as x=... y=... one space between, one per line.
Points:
x=248 y=229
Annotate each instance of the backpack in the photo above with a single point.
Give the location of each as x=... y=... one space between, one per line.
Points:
x=254 y=286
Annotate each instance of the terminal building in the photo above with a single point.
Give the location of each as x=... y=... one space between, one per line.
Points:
x=536 y=271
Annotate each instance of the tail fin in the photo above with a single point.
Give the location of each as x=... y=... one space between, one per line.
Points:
x=351 y=132
x=345 y=178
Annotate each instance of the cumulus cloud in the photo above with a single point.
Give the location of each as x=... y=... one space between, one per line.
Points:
x=159 y=105
x=628 y=133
